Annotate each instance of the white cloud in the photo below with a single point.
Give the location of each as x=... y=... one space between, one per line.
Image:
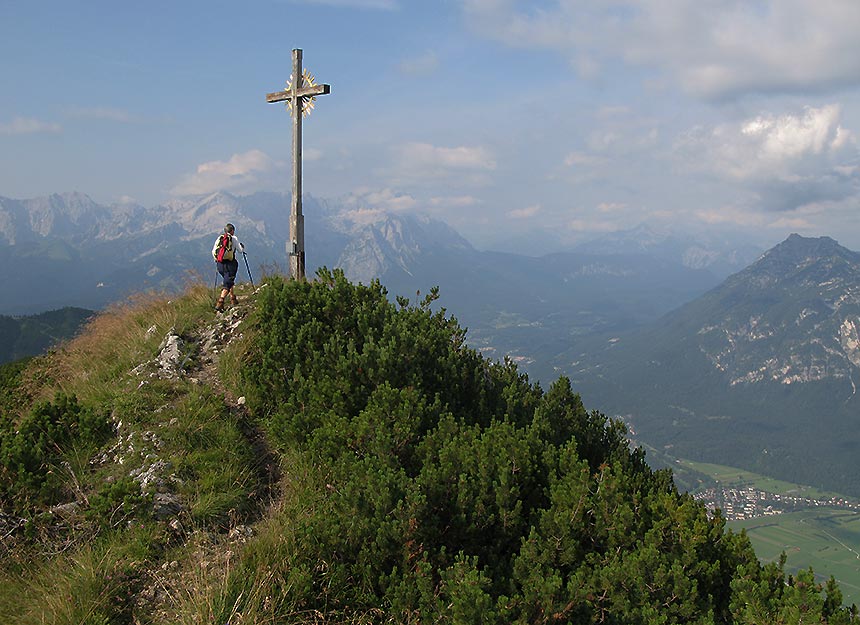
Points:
x=730 y=215
x=788 y=160
x=791 y=136
x=27 y=125
x=743 y=218
x=795 y=224
x=611 y=207
x=524 y=213
x=312 y=154
x=367 y=205
x=434 y=158
x=250 y=171
x=364 y=215
x=620 y=140
x=711 y=48
x=423 y=162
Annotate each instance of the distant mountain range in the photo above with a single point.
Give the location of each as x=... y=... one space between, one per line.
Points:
x=67 y=250
x=760 y=372
x=720 y=255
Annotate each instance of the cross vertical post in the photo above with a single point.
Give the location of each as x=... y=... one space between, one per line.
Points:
x=297 y=219
x=299 y=95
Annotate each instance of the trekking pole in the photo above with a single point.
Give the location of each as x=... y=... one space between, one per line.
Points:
x=245 y=256
x=215 y=287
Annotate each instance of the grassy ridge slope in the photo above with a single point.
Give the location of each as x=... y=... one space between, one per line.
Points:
x=95 y=530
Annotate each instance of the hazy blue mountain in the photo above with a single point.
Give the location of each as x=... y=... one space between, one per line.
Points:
x=720 y=255
x=68 y=250
x=717 y=252
x=32 y=335
x=760 y=372
x=530 y=242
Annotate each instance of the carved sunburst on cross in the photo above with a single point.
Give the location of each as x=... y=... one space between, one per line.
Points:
x=308 y=82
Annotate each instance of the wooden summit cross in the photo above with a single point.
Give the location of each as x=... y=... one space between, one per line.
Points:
x=299 y=96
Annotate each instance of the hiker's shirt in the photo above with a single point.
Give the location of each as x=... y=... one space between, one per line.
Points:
x=235 y=247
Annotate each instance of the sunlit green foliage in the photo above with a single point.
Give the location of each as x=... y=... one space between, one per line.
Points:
x=30 y=453
x=451 y=489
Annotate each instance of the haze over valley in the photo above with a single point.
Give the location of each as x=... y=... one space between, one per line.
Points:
x=580 y=338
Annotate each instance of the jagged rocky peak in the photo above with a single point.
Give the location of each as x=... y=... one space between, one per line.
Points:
x=67 y=216
x=806 y=260
x=382 y=241
x=791 y=317
x=798 y=249
x=204 y=215
x=59 y=214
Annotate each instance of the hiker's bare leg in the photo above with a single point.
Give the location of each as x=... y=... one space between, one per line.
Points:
x=219 y=305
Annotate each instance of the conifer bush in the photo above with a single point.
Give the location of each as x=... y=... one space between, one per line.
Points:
x=31 y=450
x=450 y=489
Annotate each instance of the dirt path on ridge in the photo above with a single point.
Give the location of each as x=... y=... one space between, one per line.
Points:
x=209 y=551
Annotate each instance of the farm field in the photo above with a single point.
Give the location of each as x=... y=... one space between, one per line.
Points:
x=827 y=539
x=734 y=477
x=823 y=537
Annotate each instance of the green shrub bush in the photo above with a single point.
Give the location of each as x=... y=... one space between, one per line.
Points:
x=116 y=501
x=31 y=451
x=453 y=490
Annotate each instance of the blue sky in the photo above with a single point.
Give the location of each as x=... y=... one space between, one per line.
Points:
x=570 y=118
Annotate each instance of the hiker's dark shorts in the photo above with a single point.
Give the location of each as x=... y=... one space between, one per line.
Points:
x=228 y=270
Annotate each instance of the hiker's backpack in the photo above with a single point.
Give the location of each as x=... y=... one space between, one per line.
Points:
x=225 y=248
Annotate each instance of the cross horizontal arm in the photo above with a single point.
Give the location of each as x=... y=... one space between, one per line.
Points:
x=304 y=92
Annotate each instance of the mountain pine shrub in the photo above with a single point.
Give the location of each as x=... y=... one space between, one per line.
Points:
x=31 y=452
x=448 y=488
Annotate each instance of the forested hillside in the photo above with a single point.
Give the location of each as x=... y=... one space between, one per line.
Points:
x=758 y=373
x=31 y=335
x=319 y=454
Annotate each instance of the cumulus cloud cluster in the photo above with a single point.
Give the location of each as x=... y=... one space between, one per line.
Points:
x=627 y=155
x=417 y=162
x=250 y=171
x=789 y=160
x=711 y=48
x=524 y=213
x=366 y=204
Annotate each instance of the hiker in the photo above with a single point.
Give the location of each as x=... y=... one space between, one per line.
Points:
x=224 y=253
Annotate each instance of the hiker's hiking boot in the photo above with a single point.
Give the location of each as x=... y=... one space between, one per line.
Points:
x=233 y=299
x=219 y=305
